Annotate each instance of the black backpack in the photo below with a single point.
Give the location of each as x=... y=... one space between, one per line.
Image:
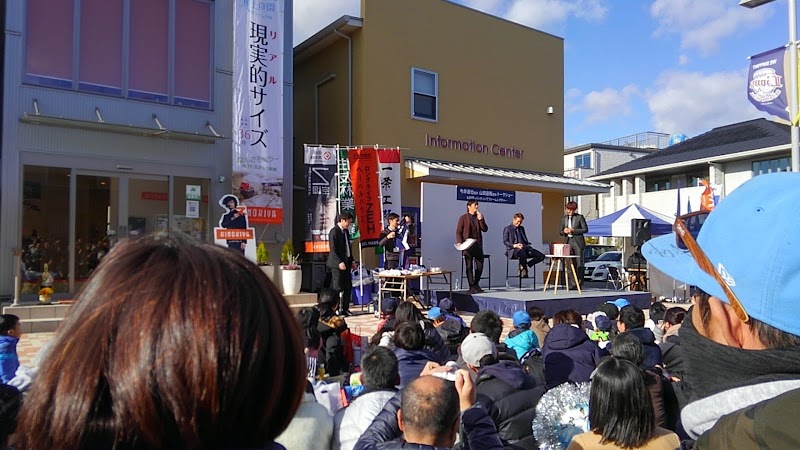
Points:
x=533 y=364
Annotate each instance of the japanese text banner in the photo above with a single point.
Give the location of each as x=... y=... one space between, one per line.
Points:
x=389 y=165
x=258 y=107
x=367 y=194
x=320 y=197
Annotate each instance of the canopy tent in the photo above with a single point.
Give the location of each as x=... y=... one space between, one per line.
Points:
x=618 y=224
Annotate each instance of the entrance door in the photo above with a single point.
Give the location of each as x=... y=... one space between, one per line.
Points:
x=109 y=207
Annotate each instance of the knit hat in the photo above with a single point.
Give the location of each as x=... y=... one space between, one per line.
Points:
x=621 y=302
x=447 y=305
x=475 y=347
x=434 y=313
x=388 y=305
x=520 y=318
x=753 y=244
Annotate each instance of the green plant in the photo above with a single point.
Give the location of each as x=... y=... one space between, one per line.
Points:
x=292 y=263
x=262 y=254
x=287 y=251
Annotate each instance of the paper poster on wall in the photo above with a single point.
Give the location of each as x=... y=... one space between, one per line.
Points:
x=193 y=208
x=234 y=230
x=258 y=61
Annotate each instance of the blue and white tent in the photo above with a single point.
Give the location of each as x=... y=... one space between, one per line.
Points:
x=618 y=224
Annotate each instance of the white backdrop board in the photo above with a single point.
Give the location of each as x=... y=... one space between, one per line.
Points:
x=441 y=208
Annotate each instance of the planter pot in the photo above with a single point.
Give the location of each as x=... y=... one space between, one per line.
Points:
x=291 y=280
x=44 y=299
x=269 y=271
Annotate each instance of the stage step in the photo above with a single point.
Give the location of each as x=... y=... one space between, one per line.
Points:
x=301 y=298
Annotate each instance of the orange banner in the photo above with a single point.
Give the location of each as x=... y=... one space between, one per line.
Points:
x=261 y=214
x=367 y=194
x=318 y=247
x=235 y=234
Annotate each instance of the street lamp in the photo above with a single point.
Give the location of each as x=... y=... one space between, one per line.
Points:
x=792 y=90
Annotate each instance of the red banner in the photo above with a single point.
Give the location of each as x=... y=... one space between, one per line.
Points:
x=367 y=194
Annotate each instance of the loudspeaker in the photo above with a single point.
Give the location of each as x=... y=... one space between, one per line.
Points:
x=640 y=231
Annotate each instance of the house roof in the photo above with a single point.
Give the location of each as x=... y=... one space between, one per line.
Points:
x=753 y=136
x=426 y=169
x=326 y=37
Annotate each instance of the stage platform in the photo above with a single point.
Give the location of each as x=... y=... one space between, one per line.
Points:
x=505 y=302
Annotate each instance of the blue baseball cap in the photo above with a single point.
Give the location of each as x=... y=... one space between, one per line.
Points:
x=435 y=313
x=521 y=317
x=621 y=303
x=754 y=245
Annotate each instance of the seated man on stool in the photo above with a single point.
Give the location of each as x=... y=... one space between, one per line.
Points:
x=518 y=246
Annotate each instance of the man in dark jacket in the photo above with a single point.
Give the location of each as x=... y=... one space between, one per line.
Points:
x=508 y=393
x=573 y=227
x=340 y=260
x=518 y=246
x=472 y=225
x=631 y=319
x=431 y=418
x=388 y=240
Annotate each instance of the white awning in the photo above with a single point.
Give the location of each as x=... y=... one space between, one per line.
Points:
x=430 y=170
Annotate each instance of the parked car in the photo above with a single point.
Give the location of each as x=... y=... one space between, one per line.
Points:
x=593 y=251
x=597 y=270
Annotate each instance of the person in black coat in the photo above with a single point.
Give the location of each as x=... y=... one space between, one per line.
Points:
x=388 y=240
x=573 y=227
x=518 y=246
x=508 y=393
x=569 y=355
x=340 y=260
x=631 y=319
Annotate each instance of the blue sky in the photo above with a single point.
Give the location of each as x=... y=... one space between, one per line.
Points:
x=672 y=66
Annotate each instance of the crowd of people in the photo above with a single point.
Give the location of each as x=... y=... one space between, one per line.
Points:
x=179 y=344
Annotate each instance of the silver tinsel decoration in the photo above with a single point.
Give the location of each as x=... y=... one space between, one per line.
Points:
x=562 y=413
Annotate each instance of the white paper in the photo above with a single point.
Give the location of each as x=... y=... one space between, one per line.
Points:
x=464 y=245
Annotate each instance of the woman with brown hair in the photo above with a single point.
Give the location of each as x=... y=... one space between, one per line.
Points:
x=172 y=344
x=567 y=352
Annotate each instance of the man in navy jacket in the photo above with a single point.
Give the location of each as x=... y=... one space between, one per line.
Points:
x=435 y=420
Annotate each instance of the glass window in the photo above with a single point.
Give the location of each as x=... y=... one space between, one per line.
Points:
x=583 y=161
x=101 y=46
x=424 y=86
x=49 y=26
x=193 y=53
x=657 y=184
x=45 y=228
x=771 y=166
x=149 y=50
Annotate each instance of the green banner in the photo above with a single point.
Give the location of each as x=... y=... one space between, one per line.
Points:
x=346 y=200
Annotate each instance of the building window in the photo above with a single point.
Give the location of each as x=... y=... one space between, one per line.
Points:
x=657 y=184
x=424 y=94
x=583 y=161
x=771 y=166
x=167 y=43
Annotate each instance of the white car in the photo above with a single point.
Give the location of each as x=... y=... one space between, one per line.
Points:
x=597 y=270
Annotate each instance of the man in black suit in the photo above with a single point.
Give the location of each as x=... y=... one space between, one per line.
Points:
x=573 y=227
x=340 y=260
x=518 y=246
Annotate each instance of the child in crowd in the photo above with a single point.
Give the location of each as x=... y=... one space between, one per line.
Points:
x=539 y=323
x=10 y=332
x=653 y=323
x=449 y=309
x=522 y=339
x=449 y=329
x=600 y=330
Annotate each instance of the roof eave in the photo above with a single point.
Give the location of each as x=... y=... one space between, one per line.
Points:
x=325 y=37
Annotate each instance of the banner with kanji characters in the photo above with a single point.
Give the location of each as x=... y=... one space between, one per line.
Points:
x=367 y=192
x=320 y=166
x=258 y=107
x=767 y=83
x=346 y=200
x=390 y=173
x=234 y=229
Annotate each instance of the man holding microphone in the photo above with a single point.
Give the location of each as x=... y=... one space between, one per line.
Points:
x=472 y=226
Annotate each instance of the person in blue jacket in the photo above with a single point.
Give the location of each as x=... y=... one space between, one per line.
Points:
x=10 y=332
x=522 y=339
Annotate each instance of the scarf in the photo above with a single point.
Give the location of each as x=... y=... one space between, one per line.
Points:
x=712 y=367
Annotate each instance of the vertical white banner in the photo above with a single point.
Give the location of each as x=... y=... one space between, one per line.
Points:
x=390 y=177
x=258 y=61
